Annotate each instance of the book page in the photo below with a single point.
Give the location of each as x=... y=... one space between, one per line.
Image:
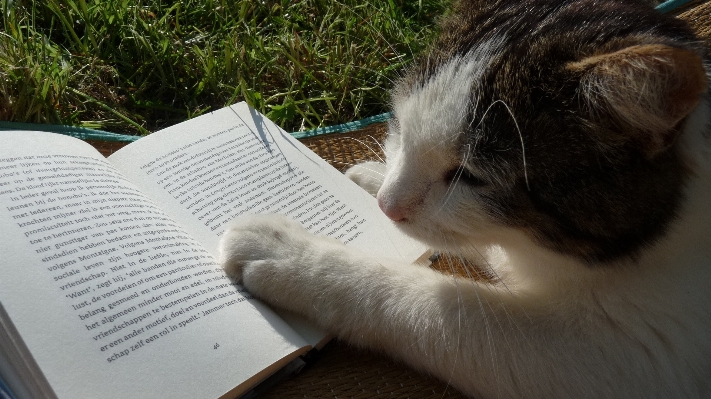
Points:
x=211 y=169
x=111 y=296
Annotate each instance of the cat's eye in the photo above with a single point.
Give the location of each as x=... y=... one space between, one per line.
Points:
x=463 y=175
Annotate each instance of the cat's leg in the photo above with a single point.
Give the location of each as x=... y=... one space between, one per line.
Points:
x=483 y=339
x=410 y=312
x=368 y=175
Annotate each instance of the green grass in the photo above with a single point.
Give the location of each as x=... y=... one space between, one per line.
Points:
x=138 y=66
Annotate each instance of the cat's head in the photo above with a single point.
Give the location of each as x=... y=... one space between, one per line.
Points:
x=556 y=118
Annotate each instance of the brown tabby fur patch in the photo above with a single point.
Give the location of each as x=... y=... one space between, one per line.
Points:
x=599 y=183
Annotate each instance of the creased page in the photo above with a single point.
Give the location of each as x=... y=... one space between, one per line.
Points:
x=234 y=161
x=111 y=296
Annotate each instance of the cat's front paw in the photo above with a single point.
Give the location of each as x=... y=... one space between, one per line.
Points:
x=368 y=175
x=261 y=241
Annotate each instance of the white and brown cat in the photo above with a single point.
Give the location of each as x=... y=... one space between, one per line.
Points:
x=565 y=144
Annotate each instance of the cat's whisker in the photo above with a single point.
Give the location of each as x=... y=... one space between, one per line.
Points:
x=459 y=303
x=469 y=269
x=366 y=145
x=473 y=112
x=450 y=187
x=473 y=274
x=455 y=180
x=378 y=143
x=495 y=278
x=487 y=328
x=375 y=172
x=500 y=282
x=435 y=145
x=485 y=317
x=523 y=147
x=518 y=129
x=477 y=134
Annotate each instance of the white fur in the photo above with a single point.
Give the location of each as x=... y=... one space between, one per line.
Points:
x=552 y=328
x=421 y=149
x=368 y=175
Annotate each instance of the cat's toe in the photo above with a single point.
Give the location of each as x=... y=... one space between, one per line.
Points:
x=256 y=239
x=232 y=256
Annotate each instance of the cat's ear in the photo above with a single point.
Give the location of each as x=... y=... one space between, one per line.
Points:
x=648 y=88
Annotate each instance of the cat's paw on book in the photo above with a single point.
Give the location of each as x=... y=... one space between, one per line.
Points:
x=263 y=242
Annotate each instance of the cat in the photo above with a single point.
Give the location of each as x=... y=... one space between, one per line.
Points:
x=566 y=146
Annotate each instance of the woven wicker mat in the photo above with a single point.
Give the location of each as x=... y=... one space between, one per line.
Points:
x=345 y=372
x=698 y=15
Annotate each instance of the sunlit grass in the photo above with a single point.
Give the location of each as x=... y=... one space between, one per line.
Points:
x=137 y=66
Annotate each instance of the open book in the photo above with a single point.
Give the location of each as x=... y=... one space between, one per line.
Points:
x=108 y=281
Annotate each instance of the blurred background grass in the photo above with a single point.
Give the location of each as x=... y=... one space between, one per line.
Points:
x=137 y=66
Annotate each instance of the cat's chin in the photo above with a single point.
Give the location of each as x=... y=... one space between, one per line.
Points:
x=439 y=238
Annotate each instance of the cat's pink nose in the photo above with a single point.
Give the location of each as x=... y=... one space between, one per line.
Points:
x=392 y=211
